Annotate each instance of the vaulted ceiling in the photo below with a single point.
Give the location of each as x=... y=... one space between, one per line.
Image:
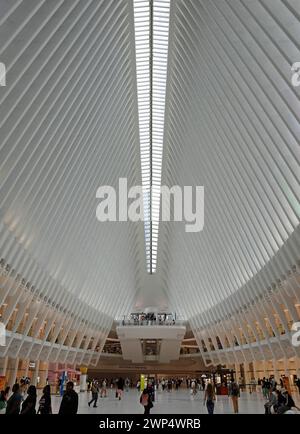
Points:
x=69 y=124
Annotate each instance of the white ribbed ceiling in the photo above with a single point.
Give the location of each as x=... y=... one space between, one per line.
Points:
x=68 y=121
x=232 y=125
x=69 y=124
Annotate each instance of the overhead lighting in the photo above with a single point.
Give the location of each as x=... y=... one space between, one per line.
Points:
x=151 y=21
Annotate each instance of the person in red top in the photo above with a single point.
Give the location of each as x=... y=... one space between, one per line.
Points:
x=146 y=401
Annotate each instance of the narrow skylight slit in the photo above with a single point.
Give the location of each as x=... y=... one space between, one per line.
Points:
x=151 y=44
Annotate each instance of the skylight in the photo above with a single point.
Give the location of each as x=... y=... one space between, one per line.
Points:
x=151 y=20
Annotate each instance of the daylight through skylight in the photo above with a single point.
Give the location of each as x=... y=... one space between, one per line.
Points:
x=151 y=20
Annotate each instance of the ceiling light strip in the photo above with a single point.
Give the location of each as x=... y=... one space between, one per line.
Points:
x=151 y=19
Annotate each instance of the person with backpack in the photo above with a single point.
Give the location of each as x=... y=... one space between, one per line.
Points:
x=209 y=398
x=14 y=403
x=94 y=395
x=234 y=393
x=28 y=406
x=146 y=401
x=45 y=401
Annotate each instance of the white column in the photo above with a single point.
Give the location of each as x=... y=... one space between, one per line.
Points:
x=27 y=368
x=297 y=361
x=36 y=373
x=247 y=373
x=83 y=382
x=276 y=370
x=13 y=375
x=255 y=370
x=43 y=373
x=3 y=366
x=237 y=372
x=83 y=378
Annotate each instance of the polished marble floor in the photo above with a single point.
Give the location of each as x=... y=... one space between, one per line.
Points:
x=175 y=402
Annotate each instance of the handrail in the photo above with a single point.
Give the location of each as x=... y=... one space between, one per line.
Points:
x=131 y=322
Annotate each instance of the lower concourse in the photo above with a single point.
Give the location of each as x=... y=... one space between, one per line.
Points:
x=176 y=402
x=150 y=201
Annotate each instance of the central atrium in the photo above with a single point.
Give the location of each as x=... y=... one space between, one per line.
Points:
x=149 y=206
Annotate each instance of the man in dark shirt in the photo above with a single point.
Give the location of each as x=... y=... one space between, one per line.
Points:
x=69 y=403
x=14 y=402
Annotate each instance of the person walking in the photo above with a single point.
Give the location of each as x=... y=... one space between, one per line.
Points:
x=268 y=388
x=69 y=403
x=264 y=387
x=94 y=395
x=28 y=406
x=45 y=401
x=127 y=384
x=120 y=387
x=234 y=393
x=103 y=393
x=14 y=403
x=146 y=401
x=209 y=398
x=193 y=387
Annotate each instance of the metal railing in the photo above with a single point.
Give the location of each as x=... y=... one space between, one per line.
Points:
x=132 y=322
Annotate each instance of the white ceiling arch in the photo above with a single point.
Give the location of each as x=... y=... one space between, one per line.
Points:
x=69 y=123
x=232 y=125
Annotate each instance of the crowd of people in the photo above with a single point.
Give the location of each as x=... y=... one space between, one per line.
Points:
x=278 y=398
x=119 y=384
x=101 y=387
x=150 y=319
x=22 y=399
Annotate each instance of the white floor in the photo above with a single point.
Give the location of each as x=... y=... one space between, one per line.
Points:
x=175 y=402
